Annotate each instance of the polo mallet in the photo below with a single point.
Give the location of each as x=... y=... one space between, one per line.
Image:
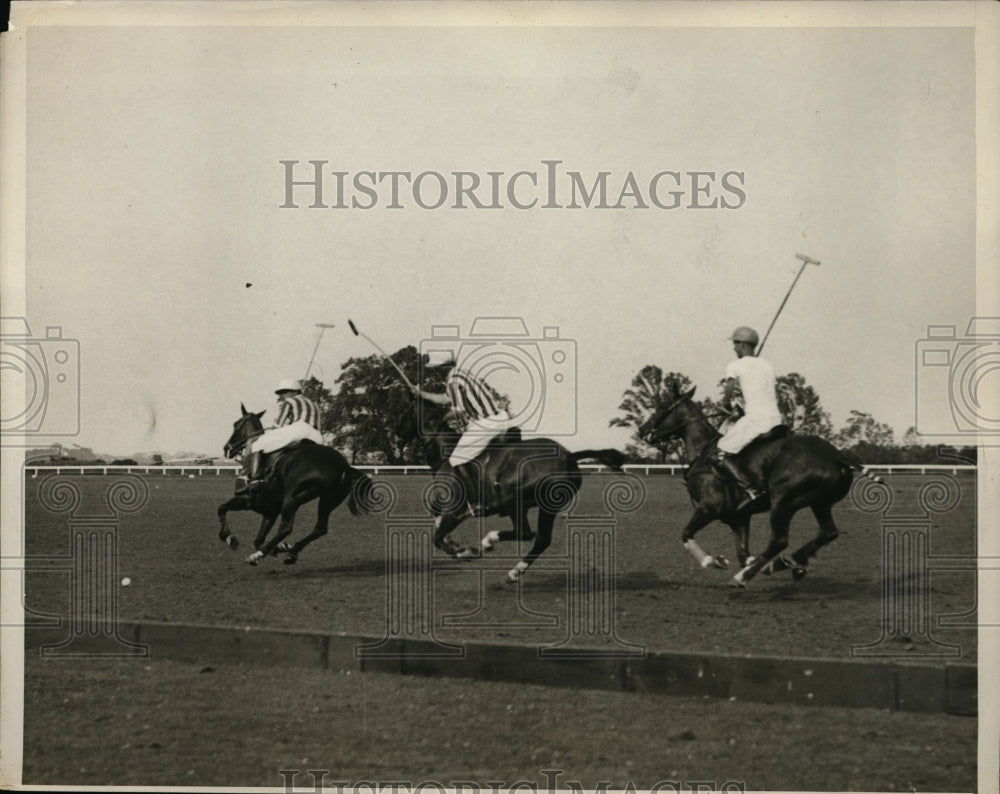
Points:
x=322 y=329
x=806 y=260
x=385 y=355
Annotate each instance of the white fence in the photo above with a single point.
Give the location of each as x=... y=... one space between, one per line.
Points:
x=636 y=468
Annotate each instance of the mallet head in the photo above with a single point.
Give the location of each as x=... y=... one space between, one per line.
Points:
x=807 y=259
x=353 y=328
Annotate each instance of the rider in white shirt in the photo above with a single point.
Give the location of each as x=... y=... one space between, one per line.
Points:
x=756 y=380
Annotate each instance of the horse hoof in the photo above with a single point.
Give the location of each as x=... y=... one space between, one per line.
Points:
x=737 y=582
x=255 y=558
x=467 y=553
x=799 y=573
x=720 y=562
x=291 y=559
x=779 y=563
x=489 y=541
x=283 y=547
x=233 y=542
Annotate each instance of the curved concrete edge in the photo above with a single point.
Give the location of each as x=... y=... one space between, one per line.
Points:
x=915 y=687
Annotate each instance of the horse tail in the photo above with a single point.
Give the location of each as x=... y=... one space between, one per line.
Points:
x=361 y=500
x=852 y=461
x=611 y=458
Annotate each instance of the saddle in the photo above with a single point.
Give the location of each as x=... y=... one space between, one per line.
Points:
x=491 y=460
x=776 y=433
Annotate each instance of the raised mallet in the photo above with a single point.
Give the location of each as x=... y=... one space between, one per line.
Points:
x=322 y=327
x=385 y=355
x=806 y=260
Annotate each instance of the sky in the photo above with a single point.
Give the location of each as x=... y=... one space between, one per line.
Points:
x=156 y=237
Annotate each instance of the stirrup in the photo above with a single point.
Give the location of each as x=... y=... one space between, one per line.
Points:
x=750 y=498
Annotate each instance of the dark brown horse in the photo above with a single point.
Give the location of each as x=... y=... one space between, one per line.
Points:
x=795 y=472
x=517 y=475
x=306 y=472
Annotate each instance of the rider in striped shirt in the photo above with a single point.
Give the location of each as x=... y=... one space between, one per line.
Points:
x=477 y=408
x=298 y=419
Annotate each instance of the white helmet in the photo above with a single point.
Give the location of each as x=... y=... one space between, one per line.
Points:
x=288 y=384
x=745 y=334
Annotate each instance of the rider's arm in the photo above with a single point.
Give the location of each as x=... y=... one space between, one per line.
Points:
x=433 y=397
x=729 y=391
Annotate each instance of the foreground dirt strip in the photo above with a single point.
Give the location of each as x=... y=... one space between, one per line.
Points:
x=929 y=688
x=161 y=722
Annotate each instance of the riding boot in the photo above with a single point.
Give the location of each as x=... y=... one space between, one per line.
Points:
x=728 y=462
x=254 y=468
x=468 y=474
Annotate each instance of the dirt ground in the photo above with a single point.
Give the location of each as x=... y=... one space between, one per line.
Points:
x=641 y=589
x=164 y=723
x=612 y=577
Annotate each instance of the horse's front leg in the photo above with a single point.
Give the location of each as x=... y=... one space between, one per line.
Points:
x=259 y=542
x=227 y=537
x=444 y=524
x=699 y=520
x=741 y=536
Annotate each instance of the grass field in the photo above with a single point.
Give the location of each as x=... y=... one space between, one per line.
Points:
x=639 y=589
x=159 y=722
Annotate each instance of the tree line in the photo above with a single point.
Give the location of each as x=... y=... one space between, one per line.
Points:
x=360 y=416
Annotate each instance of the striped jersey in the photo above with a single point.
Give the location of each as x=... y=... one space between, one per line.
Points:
x=295 y=408
x=472 y=397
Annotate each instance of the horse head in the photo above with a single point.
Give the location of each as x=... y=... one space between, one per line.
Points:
x=245 y=429
x=666 y=422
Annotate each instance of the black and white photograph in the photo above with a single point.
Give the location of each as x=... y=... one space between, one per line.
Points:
x=500 y=397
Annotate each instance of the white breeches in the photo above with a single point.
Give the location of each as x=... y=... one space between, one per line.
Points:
x=478 y=436
x=278 y=437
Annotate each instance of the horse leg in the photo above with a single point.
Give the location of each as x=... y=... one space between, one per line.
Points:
x=327 y=504
x=521 y=530
x=266 y=522
x=781 y=518
x=546 y=521
x=288 y=510
x=444 y=524
x=741 y=535
x=827 y=533
x=227 y=537
x=699 y=520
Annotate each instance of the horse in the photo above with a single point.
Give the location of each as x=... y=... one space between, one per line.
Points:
x=794 y=471
x=300 y=474
x=520 y=475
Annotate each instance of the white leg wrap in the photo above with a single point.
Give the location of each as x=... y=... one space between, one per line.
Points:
x=515 y=573
x=704 y=559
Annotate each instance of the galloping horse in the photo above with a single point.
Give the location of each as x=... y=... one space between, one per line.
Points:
x=301 y=474
x=519 y=474
x=795 y=471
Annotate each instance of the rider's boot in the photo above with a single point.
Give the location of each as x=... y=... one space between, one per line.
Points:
x=468 y=474
x=751 y=495
x=254 y=469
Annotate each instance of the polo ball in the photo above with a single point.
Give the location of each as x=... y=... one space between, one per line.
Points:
x=126 y=582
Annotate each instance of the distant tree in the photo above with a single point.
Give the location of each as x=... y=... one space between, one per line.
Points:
x=862 y=428
x=800 y=407
x=650 y=388
x=362 y=416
